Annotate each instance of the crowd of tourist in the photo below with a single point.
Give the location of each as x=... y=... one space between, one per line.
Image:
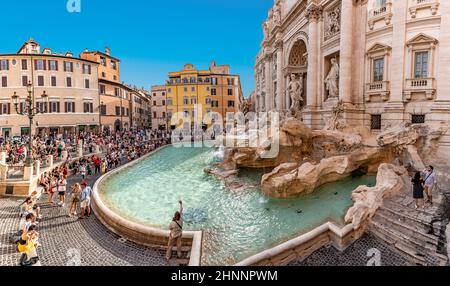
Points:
x=116 y=149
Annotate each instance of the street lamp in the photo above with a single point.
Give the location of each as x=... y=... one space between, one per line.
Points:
x=101 y=114
x=30 y=111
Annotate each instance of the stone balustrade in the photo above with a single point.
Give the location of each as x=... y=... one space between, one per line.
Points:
x=378 y=88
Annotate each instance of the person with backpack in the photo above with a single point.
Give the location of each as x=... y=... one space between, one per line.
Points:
x=430 y=183
x=176 y=233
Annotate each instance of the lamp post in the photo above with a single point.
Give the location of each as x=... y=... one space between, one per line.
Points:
x=101 y=114
x=30 y=111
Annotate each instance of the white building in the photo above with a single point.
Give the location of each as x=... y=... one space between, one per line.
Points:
x=393 y=60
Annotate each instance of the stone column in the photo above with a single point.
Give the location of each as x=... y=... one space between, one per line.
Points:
x=3 y=157
x=443 y=79
x=37 y=166
x=268 y=81
x=80 y=148
x=28 y=173
x=394 y=111
x=50 y=161
x=313 y=13
x=346 y=52
x=279 y=71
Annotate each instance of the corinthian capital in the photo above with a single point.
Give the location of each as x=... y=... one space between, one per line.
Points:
x=313 y=12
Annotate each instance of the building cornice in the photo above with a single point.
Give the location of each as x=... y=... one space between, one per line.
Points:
x=48 y=56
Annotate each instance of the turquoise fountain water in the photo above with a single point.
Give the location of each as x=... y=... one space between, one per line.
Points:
x=236 y=223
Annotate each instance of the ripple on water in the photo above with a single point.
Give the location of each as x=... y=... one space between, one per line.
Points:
x=236 y=223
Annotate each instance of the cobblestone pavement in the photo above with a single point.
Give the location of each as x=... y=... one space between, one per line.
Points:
x=68 y=241
x=358 y=254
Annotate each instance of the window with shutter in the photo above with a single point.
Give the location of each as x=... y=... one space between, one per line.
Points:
x=53 y=80
x=69 y=82
x=86 y=83
x=4 y=81
x=24 y=80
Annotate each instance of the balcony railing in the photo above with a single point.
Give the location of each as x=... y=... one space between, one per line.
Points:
x=381 y=13
x=426 y=85
x=378 y=88
x=422 y=4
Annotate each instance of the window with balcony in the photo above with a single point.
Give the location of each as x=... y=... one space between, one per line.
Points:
x=421 y=64
x=378 y=70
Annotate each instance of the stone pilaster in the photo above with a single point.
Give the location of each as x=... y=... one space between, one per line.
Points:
x=394 y=112
x=268 y=82
x=314 y=14
x=279 y=71
x=346 y=52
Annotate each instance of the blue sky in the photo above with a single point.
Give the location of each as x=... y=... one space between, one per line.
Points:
x=150 y=37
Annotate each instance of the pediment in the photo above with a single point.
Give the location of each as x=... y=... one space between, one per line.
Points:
x=422 y=39
x=378 y=47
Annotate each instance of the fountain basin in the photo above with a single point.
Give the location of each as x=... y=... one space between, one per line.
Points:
x=141 y=198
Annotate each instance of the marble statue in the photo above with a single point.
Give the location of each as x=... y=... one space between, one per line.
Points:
x=332 y=80
x=295 y=90
x=277 y=13
x=266 y=29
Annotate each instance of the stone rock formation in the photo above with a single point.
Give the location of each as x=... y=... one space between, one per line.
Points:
x=287 y=181
x=391 y=179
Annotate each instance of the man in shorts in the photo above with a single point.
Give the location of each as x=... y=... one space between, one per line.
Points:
x=85 y=200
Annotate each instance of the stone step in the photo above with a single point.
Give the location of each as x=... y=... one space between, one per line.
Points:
x=422 y=253
x=410 y=225
x=413 y=256
x=422 y=215
x=407 y=237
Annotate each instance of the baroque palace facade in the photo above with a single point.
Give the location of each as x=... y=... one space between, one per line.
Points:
x=383 y=61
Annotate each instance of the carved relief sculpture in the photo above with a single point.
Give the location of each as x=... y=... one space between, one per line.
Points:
x=333 y=23
x=332 y=80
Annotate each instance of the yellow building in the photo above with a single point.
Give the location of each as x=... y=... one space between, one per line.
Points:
x=215 y=92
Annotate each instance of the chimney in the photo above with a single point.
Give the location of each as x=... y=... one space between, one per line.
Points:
x=107 y=51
